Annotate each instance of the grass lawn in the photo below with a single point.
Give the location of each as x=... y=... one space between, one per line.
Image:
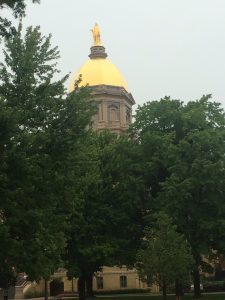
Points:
x=159 y=297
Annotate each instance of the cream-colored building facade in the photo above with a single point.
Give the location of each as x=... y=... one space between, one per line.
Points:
x=109 y=279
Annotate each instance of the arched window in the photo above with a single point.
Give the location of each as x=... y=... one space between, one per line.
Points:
x=128 y=115
x=113 y=113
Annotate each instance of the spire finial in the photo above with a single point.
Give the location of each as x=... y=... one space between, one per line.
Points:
x=96 y=35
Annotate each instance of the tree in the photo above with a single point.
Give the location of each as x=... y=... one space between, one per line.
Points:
x=108 y=228
x=18 y=8
x=41 y=130
x=194 y=194
x=183 y=146
x=166 y=256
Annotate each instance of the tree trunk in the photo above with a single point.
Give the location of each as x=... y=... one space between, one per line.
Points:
x=72 y=284
x=179 y=289
x=2 y=294
x=11 y=292
x=46 y=289
x=196 y=279
x=81 y=287
x=164 y=290
x=89 y=285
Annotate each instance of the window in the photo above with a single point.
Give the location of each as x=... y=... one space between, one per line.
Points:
x=100 y=111
x=128 y=115
x=113 y=115
x=123 y=281
x=113 y=112
x=99 y=282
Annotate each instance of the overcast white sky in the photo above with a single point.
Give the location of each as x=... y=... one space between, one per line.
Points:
x=162 y=47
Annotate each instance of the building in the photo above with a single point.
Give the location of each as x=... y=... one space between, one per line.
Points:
x=109 y=89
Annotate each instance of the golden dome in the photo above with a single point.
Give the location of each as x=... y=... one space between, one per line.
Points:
x=99 y=71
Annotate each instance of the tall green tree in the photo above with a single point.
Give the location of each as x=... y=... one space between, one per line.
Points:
x=183 y=146
x=41 y=130
x=166 y=255
x=109 y=227
x=194 y=194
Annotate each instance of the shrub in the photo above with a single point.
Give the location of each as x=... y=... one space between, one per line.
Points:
x=33 y=294
x=124 y=291
x=214 y=286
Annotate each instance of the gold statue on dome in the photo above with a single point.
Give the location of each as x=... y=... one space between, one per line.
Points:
x=96 y=35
